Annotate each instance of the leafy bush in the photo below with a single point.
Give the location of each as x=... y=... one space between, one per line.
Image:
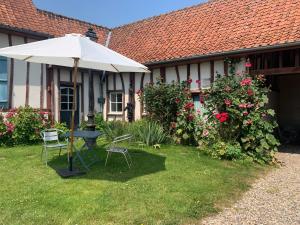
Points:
x=113 y=129
x=163 y=101
x=223 y=150
x=237 y=112
x=99 y=122
x=148 y=132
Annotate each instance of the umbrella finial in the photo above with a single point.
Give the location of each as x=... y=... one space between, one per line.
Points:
x=91 y=34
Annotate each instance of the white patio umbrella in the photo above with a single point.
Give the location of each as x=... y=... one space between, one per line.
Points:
x=77 y=51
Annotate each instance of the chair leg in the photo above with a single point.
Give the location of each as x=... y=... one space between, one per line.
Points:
x=46 y=154
x=108 y=154
x=126 y=160
x=42 y=153
x=59 y=151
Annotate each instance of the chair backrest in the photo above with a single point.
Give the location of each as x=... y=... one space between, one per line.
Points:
x=122 y=138
x=50 y=135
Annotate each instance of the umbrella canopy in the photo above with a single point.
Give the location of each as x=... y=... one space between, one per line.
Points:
x=77 y=51
x=63 y=50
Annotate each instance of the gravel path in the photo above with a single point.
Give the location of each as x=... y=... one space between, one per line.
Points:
x=273 y=199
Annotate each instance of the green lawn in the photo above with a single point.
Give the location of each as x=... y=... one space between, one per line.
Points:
x=173 y=185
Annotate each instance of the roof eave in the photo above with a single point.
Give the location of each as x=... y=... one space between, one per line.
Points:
x=225 y=54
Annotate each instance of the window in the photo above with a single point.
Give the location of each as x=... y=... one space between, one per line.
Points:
x=3 y=83
x=66 y=98
x=198 y=102
x=116 y=102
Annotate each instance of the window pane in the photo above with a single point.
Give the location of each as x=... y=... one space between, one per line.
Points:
x=70 y=106
x=64 y=91
x=113 y=97
x=119 y=107
x=64 y=106
x=3 y=91
x=70 y=91
x=3 y=105
x=113 y=107
x=70 y=98
x=119 y=98
x=64 y=98
x=3 y=68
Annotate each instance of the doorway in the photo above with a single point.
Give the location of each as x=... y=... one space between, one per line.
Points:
x=66 y=105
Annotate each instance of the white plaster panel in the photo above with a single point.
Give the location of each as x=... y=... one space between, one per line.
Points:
x=171 y=75
x=126 y=78
x=156 y=75
x=219 y=67
x=194 y=76
x=64 y=75
x=4 y=40
x=240 y=67
x=119 y=82
x=110 y=81
x=182 y=72
x=86 y=94
x=56 y=95
x=96 y=92
x=34 y=85
x=205 y=74
x=147 y=79
x=137 y=102
x=19 y=77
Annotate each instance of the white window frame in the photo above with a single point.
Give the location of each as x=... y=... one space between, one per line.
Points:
x=115 y=102
x=5 y=82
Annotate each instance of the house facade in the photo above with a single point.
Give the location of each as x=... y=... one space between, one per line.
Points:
x=191 y=43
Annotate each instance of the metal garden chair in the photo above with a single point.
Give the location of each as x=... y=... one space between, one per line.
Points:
x=51 y=141
x=115 y=147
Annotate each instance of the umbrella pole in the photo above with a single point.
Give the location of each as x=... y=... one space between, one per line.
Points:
x=70 y=150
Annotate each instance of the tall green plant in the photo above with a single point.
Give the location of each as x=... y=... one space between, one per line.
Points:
x=237 y=109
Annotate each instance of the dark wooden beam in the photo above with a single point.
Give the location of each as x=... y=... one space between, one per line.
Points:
x=297 y=58
x=42 y=87
x=163 y=74
x=151 y=77
x=114 y=81
x=27 y=78
x=225 y=68
x=82 y=95
x=212 y=71
x=278 y=71
x=199 y=75
x=11 y=77
x=177 y=74
x=58 y=97
x=188 y=71
x=107 y=97
x=123 y=96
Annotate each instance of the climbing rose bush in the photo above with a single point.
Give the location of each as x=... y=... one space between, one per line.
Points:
x=163 y=101
x=22 y=126
x=237 y=114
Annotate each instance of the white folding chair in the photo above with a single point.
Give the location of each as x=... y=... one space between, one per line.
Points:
x=51 y=141
x=115 y=147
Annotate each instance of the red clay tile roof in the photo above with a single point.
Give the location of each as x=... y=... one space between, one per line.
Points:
x=215 y=27
x=209 y=28
x=22 y=14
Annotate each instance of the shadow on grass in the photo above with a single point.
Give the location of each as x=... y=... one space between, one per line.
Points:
x=143 y=163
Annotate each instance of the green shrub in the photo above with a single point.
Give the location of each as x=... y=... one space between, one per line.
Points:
x=148 y=132
x=163 y=101
x=223 y=150
x=99 y=122
x=237 y=112
x=113 y=129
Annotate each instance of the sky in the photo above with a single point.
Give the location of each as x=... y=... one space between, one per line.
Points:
x=113 y=13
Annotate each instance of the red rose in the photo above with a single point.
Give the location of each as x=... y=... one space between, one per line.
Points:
x=189 y=81
x=198 y=81
x=190 y=117
x=243 y=106
x=189 y=105
x=245 y=113
x=222 y=117
x=246 y=82
x=173 y=125
x=250 y=92
x=177 y=100
x=248 y=64
x=227 y=102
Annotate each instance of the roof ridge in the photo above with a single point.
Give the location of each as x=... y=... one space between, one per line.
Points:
x=72 y=18
x=166 y=13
